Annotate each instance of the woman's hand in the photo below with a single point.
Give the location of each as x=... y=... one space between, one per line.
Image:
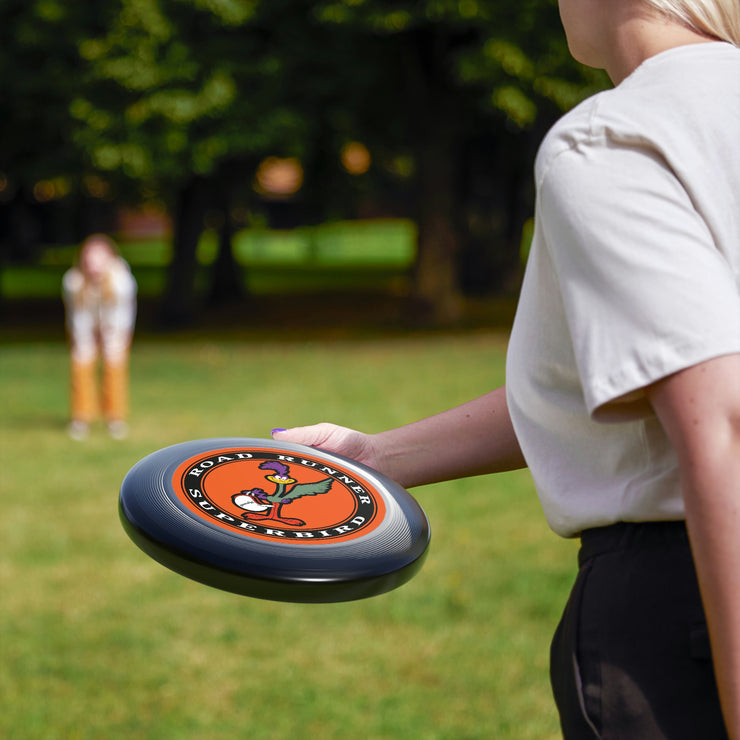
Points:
x=333 y=438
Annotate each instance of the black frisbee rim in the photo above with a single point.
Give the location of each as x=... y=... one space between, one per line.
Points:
x=191 y=547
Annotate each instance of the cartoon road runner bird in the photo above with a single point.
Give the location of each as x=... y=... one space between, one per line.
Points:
x=258 y=505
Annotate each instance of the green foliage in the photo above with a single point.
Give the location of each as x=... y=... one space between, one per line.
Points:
x=156 y=89
x=512 y=54
x=39 y=74
x=180 y=86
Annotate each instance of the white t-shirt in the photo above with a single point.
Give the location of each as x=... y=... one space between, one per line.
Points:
x=100 y=320
x=634 y=274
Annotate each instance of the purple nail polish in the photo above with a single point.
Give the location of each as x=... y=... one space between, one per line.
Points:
x=277 y=430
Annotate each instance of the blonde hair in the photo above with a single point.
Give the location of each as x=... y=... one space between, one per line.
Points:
x=100 y=239
x=717 y=18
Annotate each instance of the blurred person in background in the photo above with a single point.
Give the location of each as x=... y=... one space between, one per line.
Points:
x=100 y=303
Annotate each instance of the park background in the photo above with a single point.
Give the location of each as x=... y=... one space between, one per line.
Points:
x=326 y=206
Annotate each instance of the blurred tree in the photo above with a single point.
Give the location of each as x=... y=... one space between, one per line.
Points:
x=189 y=96
x=466 y=88
x=450 y=95
x=40 y=72
x=182 y=100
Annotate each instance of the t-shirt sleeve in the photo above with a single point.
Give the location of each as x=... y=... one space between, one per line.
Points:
x=645 y=288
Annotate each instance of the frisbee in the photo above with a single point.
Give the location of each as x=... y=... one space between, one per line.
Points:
x=274 y=520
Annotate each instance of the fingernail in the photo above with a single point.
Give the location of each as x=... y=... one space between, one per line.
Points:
x=277 y=430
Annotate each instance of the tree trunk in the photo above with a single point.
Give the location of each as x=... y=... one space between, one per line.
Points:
x=179 y=302
x=432 y=112
x=227 y=285
x=436 y=290
x=496 y=199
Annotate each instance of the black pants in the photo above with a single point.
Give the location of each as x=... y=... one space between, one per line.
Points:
x=630 y=659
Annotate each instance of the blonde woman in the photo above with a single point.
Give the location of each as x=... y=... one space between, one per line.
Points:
x=623 y=376
x=100 y=302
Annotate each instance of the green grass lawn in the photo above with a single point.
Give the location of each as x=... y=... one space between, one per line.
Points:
x=346 y=255
x=98 y=641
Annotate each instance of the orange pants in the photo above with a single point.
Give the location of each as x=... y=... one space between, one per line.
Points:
x=86 y=401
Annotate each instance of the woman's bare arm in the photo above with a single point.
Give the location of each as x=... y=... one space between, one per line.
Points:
x=472 y=439
x=700 y=411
